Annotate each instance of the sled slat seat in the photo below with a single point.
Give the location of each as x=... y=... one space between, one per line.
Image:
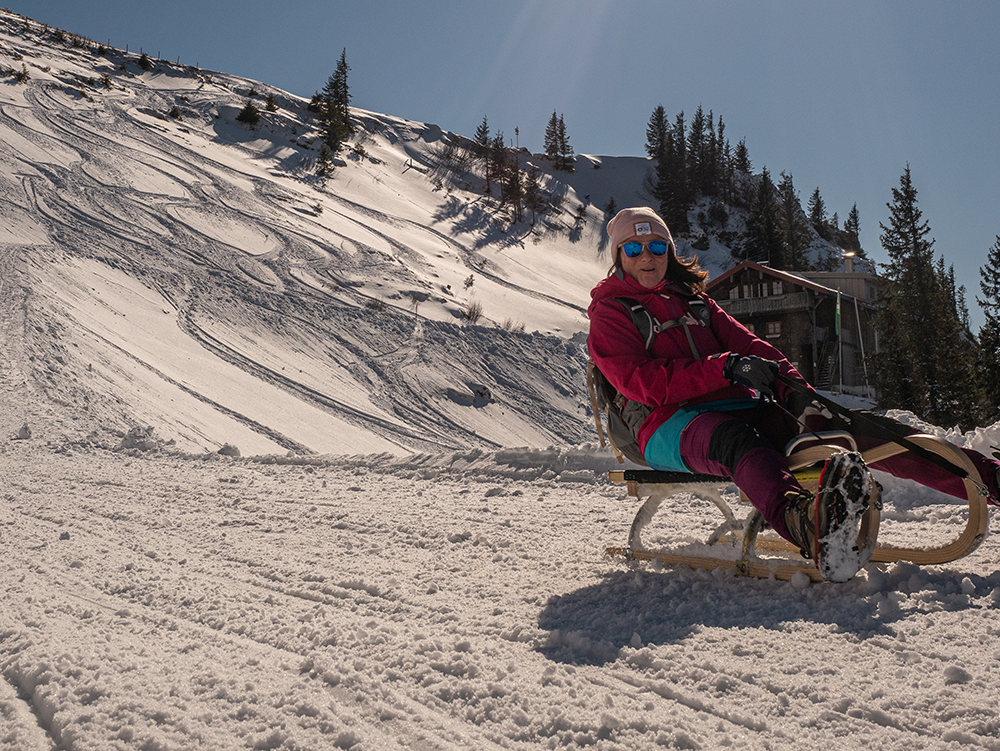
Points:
x=633 y=478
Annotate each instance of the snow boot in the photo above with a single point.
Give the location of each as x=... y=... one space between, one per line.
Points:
x=830 y=526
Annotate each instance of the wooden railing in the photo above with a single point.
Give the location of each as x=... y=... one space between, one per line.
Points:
x=749 y=306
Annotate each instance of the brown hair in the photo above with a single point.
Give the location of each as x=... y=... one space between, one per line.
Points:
x=684 y=271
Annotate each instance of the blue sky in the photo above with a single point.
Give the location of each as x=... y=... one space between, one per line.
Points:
x=843 y=95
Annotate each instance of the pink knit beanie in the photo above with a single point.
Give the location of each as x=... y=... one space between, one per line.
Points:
x=638 y=222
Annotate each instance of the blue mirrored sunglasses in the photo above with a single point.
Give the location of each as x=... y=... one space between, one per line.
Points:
x=656 y=247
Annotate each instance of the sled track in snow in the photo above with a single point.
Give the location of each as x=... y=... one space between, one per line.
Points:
x=390 y=431
x=279 y=438
x=451 y=242
x=21 y=719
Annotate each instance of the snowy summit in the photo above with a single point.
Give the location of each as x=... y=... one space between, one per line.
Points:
x=288 y=463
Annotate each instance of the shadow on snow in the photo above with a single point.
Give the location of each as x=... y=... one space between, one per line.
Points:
x=641 y=608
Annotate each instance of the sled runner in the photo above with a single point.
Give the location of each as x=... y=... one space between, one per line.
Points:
x=743 y=539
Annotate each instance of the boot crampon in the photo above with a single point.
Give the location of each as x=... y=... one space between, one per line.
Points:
x=831 y=526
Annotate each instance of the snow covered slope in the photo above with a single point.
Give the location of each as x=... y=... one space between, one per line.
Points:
x=187 y=272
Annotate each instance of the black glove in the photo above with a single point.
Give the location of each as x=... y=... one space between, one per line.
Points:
x=753 y=372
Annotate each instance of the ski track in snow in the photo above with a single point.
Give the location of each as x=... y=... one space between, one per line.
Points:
x=397 y=561
x=187 y=208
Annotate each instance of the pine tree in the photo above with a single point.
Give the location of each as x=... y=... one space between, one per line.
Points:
x=533 y=193
x=683 y=198
x=495 y=162
x=551 y=143
x=511 y=183
x=925 y=363
x=956 y=387
x=988 y=359
x=515 y=189
x=482 y=139
x=989 y=284
x=324 y=163
x=725 y=164
x=741 y=159
x=481 y=148
x=793 y=226
x=988 y=364
x=962 y=308
x=664 y=187
x=343 y=92
x=696 y=151
x=712 y=157
x=764 y=240
x=566 y=156
x=722 y=144
x=335 y=108
x=656 y=132
x=249 y=114
x=557 y=148
x=900 y=372
x=852 y=226
x=703 y=154
x=671 y=188
x=817 y=211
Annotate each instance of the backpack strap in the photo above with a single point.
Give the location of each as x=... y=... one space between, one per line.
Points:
x=596 y=383
x=642 y=319
x=699 y=309
x=648 y=326
x=594 y=406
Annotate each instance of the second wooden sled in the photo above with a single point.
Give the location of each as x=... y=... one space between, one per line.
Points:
x=656 y=487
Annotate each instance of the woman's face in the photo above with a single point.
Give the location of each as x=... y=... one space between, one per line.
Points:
x=647 y=269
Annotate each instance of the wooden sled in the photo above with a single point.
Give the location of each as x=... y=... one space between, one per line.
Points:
x=658 y=486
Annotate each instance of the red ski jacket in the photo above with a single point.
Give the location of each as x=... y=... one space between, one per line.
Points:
x=668 y=376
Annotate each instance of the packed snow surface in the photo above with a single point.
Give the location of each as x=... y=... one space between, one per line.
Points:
x=265 y=485
x=457 y=600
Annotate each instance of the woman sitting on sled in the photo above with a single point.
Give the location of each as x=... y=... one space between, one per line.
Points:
x=726 y=403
